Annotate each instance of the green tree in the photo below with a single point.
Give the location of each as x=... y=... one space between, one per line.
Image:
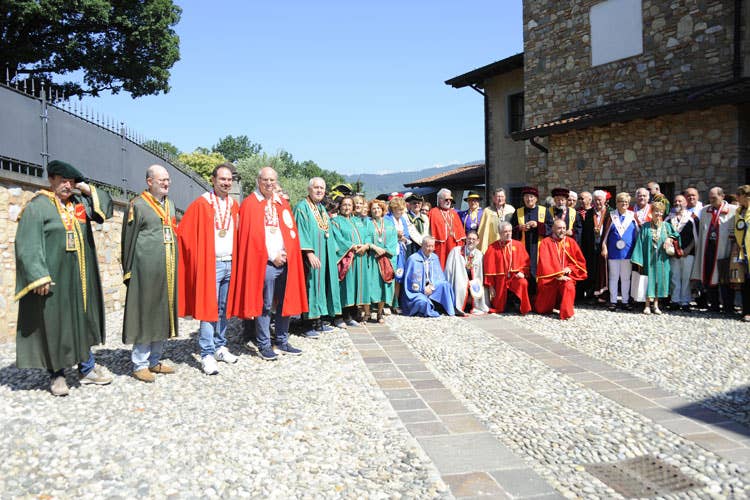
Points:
x=161 y=147
x=236 y=148
x=116 y=45
x=202 y=163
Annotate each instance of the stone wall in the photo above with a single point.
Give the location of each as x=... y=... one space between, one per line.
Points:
x=13 y=196
x=685 y=43
x=698 y=148
x=507 y=160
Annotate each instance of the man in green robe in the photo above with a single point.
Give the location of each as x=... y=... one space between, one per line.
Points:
x=149 y=266
x=319 y=254
x=61 y=307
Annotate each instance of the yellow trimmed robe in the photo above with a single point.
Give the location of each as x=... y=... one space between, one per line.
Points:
x=57 y=331
x=149 y=267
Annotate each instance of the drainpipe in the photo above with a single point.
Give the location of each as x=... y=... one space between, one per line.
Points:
x=486 y=143
x=532 y=141
x=737 y=60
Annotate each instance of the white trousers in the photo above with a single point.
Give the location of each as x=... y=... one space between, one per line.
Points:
x=680 y=270
x=619 y=270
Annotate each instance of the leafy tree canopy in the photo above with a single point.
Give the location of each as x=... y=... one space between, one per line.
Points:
x=117 y=45
x=161 y=147
x=201 y=162
x=236 y=148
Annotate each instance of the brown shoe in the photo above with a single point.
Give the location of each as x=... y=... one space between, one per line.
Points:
x=144 y=375
x=161 y=368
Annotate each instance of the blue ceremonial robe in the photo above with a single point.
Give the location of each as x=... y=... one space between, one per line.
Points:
x=419 y=271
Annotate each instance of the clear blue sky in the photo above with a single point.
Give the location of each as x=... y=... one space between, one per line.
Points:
x=354 y=86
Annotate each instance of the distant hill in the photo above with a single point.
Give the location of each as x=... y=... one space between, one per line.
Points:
x=375 y=184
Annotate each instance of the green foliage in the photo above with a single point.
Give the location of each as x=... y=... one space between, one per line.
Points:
x=201 y=162
x=236 y=148
x=293 y=176
x=116 y=45
x=160 y=147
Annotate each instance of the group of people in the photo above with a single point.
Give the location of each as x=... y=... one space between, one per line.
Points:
x=337 y=260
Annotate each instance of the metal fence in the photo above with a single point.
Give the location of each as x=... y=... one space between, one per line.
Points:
x=35 y=129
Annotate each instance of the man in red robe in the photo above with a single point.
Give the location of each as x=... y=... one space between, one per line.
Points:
x=268 y=266
x=207 y=235
x=445 y=226
x=561 y=264
x=506 y=265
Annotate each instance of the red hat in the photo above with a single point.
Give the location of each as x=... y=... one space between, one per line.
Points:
x=560 y=192
x=530 y=190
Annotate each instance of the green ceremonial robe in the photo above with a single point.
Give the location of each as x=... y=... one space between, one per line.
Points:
x=149 y=267
x=323 y=295
x=349 y=231
x=381 y=291
x=57 y=331
x=653 y=258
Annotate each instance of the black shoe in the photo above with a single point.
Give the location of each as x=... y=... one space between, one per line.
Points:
x=612 y=307
x=285 y=349
x=629 y=307
x=686 y=308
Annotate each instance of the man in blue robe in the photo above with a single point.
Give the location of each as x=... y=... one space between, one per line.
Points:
x=425 y=284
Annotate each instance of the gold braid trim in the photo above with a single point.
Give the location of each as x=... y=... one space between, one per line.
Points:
x=81 y=252
x=126 y=277
x=97 y=205
x=31 y=286
x=170 y=252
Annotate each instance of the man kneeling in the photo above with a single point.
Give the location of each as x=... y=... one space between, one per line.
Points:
x=506 y=265
x=425 y=284
x=561 y=264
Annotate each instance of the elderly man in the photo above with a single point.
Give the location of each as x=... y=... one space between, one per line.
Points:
x=586 y=201
x=319 y=254
x=573 y=200
x=656 y=195
x=463 y=269
x=530 y=225
x=425 y=285
x=595 y=225
x=562 y=210
x=499 y=211
x=712 y=249
x=207 y=233
x=61 y=308
x=642 y=208
x=269 y=262
x=419 y=223
x=693 y=202
x=506 y=265
x=149 y=266
x=445 y=226
x=561 y=264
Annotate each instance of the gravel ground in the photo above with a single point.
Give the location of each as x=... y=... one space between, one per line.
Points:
x=698 y=356
x=555 y=423
x=308 y=427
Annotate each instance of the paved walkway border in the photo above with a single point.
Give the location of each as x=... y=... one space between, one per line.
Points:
x=471 y=461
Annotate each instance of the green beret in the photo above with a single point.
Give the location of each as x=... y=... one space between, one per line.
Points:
x=66 y=170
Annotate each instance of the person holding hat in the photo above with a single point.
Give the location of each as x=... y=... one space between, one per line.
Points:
x=563 y=211
x=531 y=224
x=491 y=217
x=471 y=217
x=445 y=226
x=61 y=306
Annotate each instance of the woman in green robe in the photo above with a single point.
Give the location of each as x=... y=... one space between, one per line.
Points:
x=352 y=246
x=383 y=241
x=650 y=252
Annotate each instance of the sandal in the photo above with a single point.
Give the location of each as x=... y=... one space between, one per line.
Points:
x=380 y=319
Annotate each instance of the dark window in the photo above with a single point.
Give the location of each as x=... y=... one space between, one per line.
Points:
x=515 y=197
x=667 y=189
x=515 y=112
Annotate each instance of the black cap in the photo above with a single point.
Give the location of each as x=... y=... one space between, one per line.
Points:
x=66 y=170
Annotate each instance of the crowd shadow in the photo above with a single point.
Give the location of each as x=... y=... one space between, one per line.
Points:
x=730 y=407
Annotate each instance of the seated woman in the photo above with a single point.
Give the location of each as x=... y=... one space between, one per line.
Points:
x=425 y=285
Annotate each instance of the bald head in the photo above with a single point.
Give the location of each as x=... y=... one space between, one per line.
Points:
x=267 y=181
x=157 y=179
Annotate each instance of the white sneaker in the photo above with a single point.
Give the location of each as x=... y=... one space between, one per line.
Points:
x=224 y=355
x=210 y=367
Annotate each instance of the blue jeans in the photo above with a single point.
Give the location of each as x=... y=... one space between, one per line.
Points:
x=84 y=367
x=146 y=355
x=213 y=334
x=274 y=286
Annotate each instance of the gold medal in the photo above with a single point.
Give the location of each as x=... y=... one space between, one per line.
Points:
x=222 y=233
x=70 y=241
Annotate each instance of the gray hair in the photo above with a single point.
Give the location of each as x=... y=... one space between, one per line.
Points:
x=599 y=193
x=641 y=189
x=444 y=193
x=498 y=191
x=502 y=225
x=573 y=194
x=312 y=181
x=153 y=169
x=428 y=238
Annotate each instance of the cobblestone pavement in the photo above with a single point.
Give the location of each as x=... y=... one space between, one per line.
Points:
x=489 y=406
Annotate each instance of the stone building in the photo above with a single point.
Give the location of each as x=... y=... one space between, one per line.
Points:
x=620 y=92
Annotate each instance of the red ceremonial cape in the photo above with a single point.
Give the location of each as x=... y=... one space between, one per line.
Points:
x=197 y=262
x=250 y=257
x=446 y=239
x=550 y=264
x=495 y=265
